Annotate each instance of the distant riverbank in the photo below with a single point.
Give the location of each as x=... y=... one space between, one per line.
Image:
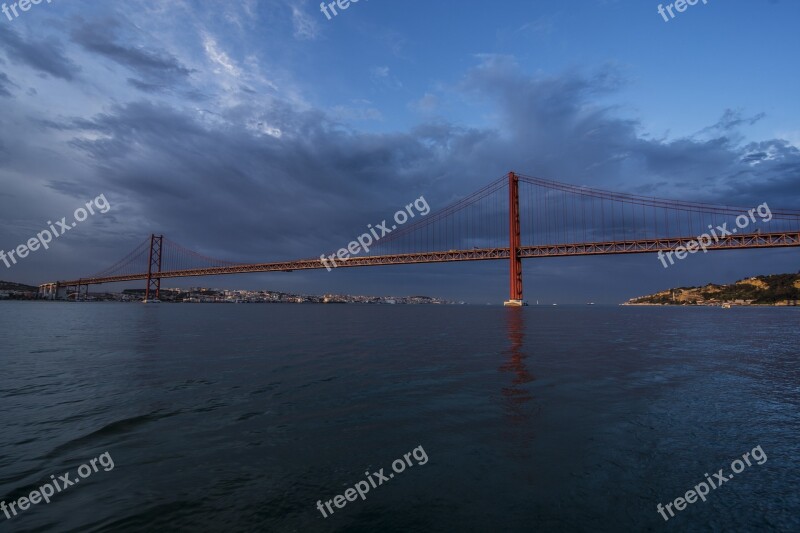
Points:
x=779 y=290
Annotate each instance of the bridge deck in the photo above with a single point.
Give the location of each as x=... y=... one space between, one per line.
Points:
x=731 y=242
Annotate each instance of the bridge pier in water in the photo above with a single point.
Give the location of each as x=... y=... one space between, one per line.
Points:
x=515 y=266
x=78 y=297
x=44 y=291
x=52 y=291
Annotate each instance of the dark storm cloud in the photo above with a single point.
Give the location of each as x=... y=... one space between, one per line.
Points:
x=554 y=127
x=550 y=125
x=157 y=69
x=218 y=180
x=42 y=55
x=265 y=181
x=769 y=170
x=232 y=187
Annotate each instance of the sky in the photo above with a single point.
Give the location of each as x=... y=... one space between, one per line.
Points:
x=262 y=130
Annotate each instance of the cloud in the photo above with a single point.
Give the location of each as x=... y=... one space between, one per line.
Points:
x=177 y=167
x=382 y=76
x=360 y=110
x=5 y=83
x=157 y=69
x=427 y=104
x=305 y=28
x=43 y=55
x=255 y=178
x=380 y=72
x=554 y=127
x=792 y=136
x=219 y=57
x=731 y=121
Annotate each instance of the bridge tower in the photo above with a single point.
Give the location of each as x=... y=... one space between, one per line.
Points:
x=515 y=270
x=154 y=282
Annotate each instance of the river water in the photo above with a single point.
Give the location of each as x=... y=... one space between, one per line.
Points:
x=242 y=417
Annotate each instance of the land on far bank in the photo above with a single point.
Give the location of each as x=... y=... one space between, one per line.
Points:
x=17 y=291
x=774 y=290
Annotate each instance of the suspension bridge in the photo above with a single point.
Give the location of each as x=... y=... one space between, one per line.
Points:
x=514 y=217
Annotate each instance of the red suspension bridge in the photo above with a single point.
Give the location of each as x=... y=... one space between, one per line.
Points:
x=513 y=218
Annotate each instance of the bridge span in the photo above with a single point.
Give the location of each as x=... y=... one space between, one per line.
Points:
x=554 y=219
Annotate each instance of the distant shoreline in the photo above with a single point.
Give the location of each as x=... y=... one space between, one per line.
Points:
x=777 y=290
x=628 y=304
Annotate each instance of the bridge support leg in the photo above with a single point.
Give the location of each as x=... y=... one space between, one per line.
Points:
x=153 y=289
x=515 y=296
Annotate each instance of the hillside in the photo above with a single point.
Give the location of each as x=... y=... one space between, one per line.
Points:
x=778 y=289
x=9 y=286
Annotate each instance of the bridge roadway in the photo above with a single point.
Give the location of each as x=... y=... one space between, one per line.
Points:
x=730 y=242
